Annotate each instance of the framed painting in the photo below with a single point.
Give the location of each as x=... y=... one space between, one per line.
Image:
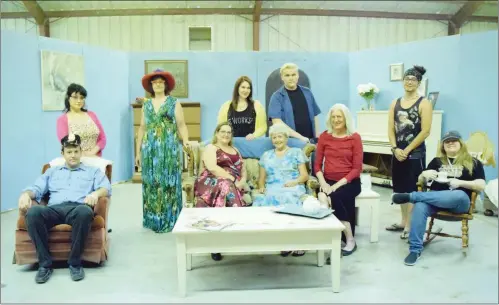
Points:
x=433 y=97
x=396 y=72
x=179 y=70
x=58 y=71
x=423 y=87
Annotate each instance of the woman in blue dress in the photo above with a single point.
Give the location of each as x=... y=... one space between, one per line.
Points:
x=283 y=174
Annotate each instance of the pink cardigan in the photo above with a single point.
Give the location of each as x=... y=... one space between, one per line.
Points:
x=62 y=130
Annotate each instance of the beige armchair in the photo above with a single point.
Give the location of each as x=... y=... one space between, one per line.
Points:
x=195 y=166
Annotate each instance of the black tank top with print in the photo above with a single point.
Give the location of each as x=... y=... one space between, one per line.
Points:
x=408 y=125
x=243 y=122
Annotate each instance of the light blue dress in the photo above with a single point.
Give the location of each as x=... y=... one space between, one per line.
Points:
x=280 y=170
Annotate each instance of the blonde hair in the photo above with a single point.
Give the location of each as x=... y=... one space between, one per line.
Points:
x=288 y=66
x=279 y=128
x=217 y=129
x=349 y=123
x=463 y=157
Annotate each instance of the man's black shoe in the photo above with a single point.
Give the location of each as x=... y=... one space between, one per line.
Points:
x=43 y=274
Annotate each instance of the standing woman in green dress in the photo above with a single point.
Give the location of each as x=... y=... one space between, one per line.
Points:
x=158 y=152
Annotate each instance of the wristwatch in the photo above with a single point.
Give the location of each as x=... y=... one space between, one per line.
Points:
x=393 y=149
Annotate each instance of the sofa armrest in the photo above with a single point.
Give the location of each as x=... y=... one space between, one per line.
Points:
x=102 y=207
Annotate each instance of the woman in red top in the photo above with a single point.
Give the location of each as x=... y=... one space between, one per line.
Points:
x=338 y=165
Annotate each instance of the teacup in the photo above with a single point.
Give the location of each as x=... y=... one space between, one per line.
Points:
x=311 y=205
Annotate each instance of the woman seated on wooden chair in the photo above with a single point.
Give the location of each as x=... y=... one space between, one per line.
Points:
x=453 y=176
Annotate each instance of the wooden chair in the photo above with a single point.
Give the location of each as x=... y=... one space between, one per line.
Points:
x=449 y=216
x=96 y=247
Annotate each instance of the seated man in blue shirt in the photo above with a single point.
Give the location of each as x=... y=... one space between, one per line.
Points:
x=74 y=190
x=295 y=106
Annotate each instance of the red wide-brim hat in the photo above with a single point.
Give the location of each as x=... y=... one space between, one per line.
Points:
x=170 y=80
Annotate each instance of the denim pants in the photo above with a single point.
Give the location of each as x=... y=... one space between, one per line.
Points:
x=427 y=203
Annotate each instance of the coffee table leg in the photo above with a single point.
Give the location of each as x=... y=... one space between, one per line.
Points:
x=181 y=266
x=320 y=258
x=374 y=220
x=189 y=262
x=335 y=263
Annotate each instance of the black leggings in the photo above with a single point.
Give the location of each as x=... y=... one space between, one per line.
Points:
x=343 y=201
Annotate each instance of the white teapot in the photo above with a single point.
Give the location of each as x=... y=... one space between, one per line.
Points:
x=311 y=205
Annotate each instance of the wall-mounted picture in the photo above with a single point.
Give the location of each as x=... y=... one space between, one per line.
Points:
x=396 y=72
x=58 y=71
x=423 y=87
x=432 y=97
x=178 y=68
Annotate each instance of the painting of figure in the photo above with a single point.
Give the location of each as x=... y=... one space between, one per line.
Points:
x=59 y=70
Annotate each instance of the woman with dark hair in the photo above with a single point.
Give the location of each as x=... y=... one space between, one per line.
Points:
x=245 y=115
x=78 y=120
x=162 y=127
x=409 y=124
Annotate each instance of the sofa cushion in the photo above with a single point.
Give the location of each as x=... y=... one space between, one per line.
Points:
x=97 y=223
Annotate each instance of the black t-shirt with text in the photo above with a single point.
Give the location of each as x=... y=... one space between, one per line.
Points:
x=242 y=122
x=457 y=172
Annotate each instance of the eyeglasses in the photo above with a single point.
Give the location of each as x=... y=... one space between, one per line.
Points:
x=410 y=80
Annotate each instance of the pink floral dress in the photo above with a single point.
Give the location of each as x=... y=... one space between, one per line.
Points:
x=212 y=191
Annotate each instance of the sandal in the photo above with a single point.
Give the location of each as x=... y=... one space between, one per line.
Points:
x=404 y=235
x=298 y=253
x=395 y=228
x=285 y=253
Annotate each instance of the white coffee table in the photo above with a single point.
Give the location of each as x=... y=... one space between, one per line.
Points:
x=255 y=230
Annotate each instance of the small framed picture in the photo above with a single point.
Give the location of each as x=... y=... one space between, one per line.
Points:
x=423 y=87
x=396 y=72
x=432 y=97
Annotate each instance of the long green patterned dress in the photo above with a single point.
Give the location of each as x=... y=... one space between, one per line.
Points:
x=161 y=167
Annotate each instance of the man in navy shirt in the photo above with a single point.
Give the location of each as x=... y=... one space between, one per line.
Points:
x=295 y=106
x=74 y=190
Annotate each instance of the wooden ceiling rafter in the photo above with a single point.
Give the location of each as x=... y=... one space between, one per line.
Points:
x=256 y=25
x=245 y=11
x=464 y=14
x=36 y=12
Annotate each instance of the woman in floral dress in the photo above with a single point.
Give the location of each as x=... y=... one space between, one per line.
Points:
x=283 y=171
x=159 y=153
x=221 y=182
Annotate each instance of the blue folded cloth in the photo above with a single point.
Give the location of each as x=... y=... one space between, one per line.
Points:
x=256 y=147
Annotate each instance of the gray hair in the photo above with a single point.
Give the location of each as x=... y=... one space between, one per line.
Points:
x=349 y=123
x=279 y=128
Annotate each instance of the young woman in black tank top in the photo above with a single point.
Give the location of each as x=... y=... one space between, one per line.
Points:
x=409 y=124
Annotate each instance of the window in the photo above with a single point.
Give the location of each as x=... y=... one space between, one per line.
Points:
x=200 y=38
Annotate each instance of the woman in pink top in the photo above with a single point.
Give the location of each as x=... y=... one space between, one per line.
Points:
x=82 y=122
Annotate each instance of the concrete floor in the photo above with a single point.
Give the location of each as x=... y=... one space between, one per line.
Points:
x=142 y=268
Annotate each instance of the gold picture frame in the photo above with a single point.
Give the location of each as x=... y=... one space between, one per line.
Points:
x=179 y=70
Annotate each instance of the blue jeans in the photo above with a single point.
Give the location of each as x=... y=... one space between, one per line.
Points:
x=427 y=203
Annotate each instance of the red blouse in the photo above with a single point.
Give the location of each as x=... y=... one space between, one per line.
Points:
x=342 y=157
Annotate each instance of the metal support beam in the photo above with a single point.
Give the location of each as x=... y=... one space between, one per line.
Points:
x=256 y=25
x=36 y=12
x=464 y=14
